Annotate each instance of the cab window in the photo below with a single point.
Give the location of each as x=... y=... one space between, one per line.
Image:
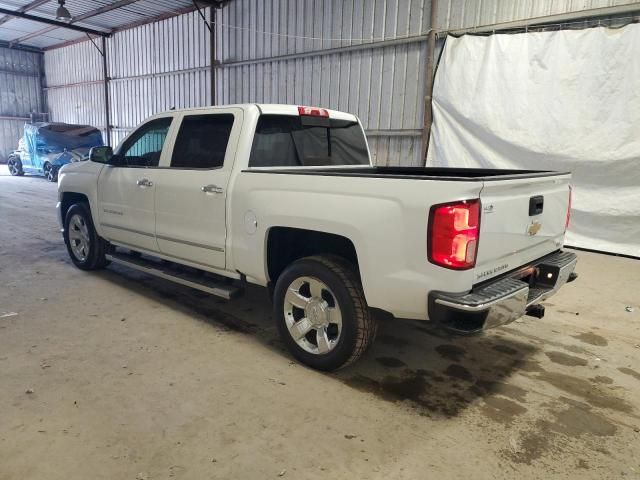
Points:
x=144 y=147
x=202 y=141
x=287 y=141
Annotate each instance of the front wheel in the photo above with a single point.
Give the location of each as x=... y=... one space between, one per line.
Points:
x=86 y=248
x=15 y=166
x=321 y=312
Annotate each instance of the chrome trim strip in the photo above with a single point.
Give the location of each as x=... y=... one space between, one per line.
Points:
x=161 y=237
x=113 y=212
x=173 y=258
x=191 y=244
x=126 y=229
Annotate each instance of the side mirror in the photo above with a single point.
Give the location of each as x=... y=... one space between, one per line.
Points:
x=101 y=154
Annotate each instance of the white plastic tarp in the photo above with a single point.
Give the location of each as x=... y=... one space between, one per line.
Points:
x=566 y=100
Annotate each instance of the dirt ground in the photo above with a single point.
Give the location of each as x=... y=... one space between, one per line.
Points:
x=113 y=375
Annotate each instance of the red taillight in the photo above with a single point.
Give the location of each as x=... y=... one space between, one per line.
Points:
x=313 y=112
x=454 y=230
x=566 y=225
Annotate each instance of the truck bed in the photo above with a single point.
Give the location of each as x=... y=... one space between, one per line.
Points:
x=417 y=173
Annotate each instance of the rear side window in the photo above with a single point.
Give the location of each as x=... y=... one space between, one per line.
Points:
x=202 y=141
x=284 y=141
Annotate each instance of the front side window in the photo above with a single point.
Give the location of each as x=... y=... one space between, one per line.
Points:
x=286 y=141
x=144 y=147
x=202 y=141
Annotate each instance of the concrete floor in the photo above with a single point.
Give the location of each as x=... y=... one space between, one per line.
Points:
x=118 y=376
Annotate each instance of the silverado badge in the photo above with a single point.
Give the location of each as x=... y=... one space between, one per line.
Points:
x=534 y=228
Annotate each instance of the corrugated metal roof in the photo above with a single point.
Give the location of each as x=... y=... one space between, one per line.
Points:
x=136 y=12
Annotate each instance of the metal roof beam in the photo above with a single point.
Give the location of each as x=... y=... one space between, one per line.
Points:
x=80 y=18
x=54 y=24
x=26 y=48
x=23 y=9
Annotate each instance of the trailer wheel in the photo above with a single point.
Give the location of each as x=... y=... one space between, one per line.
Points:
x=15 y=166
x=321 y=312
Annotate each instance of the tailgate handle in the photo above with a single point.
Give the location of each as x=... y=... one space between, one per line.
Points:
x=536 y=205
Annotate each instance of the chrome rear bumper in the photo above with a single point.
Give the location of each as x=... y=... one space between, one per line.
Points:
x=499 y=302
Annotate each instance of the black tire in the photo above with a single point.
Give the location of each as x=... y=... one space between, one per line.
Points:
x=94 y=258
x=51 y=172
x=358 y=325
x=15 y=166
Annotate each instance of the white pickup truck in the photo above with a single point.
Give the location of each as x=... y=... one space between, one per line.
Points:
x=286 y=197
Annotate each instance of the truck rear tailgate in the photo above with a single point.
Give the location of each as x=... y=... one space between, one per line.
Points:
x=522 y=220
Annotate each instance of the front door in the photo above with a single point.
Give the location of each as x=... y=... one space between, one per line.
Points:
x=191 y=193
x=126 y=191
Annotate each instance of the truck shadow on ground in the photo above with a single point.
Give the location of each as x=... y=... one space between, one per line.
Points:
x=440 y=375
x=436 y=374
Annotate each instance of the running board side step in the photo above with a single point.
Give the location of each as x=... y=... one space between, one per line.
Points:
x=167 y=271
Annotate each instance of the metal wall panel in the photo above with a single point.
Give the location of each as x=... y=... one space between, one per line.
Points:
x=382 y=84
x=75 y=92
x=166 y=64
x=152 y=68
x=80 y=104
x=250 y=30
x=20 y=94
x=80 y=62
x=158 y=67
x=10 y=133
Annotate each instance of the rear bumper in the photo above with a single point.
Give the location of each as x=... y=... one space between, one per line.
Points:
x=499 y=302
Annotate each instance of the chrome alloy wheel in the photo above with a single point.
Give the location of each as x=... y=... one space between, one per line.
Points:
x=79 y=238
x=312 y=315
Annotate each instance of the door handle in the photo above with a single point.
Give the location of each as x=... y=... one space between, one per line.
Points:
x=212 y=189
x=144 y=182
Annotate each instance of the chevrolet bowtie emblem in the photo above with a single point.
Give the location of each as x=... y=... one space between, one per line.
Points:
x=534 y=228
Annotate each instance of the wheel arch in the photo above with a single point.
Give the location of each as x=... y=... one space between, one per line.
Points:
x=68 y=199
x=284 y=245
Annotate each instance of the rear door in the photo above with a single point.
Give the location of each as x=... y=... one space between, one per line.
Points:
x=191 y=189
x=522 y=219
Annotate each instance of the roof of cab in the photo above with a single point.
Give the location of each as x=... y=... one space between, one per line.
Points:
x=268 y=109
x=280 y=109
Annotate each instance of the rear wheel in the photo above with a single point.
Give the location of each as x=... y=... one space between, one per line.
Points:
x=15 y=166
x=86 y=248
x=50 y=172
x=321 y=312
